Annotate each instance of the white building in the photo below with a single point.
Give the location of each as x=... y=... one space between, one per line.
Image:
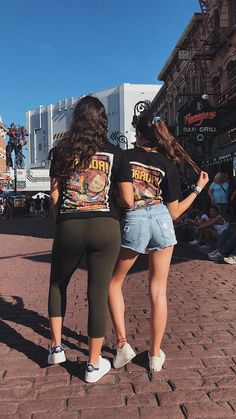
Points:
x=47 y=124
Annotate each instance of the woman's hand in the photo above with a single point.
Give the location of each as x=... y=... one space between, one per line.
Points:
x=203 y=179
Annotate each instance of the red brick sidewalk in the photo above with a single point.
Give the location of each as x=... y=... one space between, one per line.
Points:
x=198 y=380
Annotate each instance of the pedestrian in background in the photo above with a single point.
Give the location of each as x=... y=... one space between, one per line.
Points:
x=148 y=228
x=232 y=192
x=85 y=171
x=210 y=230
x=219 y=192
x=46 y=206
x=37 y=206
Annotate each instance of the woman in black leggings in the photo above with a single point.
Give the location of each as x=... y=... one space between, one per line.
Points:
x=85 y=172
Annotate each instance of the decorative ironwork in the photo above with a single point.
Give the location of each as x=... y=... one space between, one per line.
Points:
x=123 y=140
x=119 y=139
x=139 y=108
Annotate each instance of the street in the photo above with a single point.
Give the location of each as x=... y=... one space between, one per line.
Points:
x=199 y=376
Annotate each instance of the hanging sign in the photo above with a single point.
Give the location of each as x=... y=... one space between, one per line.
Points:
x=197 y=121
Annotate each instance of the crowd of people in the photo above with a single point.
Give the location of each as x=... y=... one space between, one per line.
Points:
x=24 y=206
x=38 y=207
x=208 y=225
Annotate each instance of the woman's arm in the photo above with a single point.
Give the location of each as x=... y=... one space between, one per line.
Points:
x=177 y=208
x=233 y=195
x=126 y=194
x=210 y=193
x=55 y=191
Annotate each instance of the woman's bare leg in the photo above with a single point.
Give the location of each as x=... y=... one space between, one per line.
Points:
x=159 y=264
x=56 y=330
x=95 y=346
x=125 y=261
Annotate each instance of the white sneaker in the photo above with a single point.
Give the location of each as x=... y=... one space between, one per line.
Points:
x=123 y=356
x=156 y=362
x=231 y=260
x=93 y=373
x=215 y=256
x=56 y=355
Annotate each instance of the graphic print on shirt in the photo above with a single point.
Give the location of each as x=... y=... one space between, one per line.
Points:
x=146 y=183
x=88 y=189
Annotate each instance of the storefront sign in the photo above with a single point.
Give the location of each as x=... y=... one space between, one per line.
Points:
x=21 y=183
x=197 y=121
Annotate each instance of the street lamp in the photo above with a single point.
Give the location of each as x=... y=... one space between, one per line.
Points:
x=139 y=107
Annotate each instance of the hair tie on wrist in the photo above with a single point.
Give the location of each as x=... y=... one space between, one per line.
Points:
x=197 y=190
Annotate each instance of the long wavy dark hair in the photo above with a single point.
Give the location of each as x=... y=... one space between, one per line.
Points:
x=87 y=135
x=155 y=134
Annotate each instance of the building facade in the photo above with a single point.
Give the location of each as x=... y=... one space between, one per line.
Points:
x=3 y=174
x=198 y=97
x=48 y=124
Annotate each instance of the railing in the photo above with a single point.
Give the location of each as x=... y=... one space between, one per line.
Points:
x=226 y=95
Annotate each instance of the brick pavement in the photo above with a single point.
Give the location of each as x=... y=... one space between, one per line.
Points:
x=198 y=379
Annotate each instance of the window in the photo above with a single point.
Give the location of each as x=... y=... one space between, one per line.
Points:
x=193 y=84
x=216 y=83
x=231 y=70
x=232 y=13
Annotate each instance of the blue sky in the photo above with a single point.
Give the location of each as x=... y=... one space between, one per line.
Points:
x=55 y=49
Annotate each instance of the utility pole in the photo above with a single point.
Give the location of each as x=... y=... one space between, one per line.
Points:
x=15 y=174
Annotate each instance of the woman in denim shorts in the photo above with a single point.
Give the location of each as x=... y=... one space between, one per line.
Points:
x=148 y=228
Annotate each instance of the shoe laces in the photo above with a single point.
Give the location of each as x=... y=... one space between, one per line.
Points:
x=56 y=349
x=91 y=368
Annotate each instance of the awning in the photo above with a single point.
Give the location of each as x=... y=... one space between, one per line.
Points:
x=224 y=154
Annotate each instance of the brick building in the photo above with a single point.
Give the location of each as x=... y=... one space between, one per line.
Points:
x=200 y=86
x=3 y=131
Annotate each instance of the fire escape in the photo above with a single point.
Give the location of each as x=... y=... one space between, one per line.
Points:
x=206 y=45
x=215 y=36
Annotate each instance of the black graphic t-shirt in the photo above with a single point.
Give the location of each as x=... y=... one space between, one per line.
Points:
x=155 y=178
x=90 y=192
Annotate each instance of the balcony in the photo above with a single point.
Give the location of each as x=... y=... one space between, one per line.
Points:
x=227 y=97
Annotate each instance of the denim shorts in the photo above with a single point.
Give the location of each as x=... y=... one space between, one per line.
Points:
x=147 y=229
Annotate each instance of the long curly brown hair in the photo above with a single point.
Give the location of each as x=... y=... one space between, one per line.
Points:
x=87 y=135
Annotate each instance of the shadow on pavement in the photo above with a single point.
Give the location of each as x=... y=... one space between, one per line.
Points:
x=44 y=228
x=141 y=359
x=40 y=227
x=12 y=309
x=182 y=253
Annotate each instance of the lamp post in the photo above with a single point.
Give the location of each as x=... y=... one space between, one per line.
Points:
x=15 y=175
x=139 y=107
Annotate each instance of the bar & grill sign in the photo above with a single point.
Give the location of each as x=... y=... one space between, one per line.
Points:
x=198 y=121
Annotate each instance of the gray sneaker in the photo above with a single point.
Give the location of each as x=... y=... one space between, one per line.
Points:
x=215 y=256
x=123 y=356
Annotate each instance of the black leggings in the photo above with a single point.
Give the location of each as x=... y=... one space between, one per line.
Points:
x=99 y=239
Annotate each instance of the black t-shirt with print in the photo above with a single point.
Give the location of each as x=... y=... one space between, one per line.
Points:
x=155 y=178
x=91 y=191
